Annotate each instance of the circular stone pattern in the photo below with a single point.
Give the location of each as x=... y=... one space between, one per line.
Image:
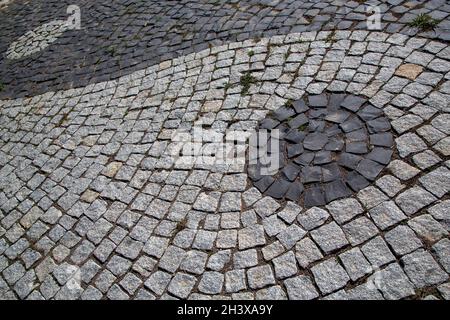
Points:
x=330 y=145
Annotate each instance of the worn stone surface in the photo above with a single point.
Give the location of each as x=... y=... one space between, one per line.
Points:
x=409 y=70
x=329 y=276
x=422 y=269
x=96 y=185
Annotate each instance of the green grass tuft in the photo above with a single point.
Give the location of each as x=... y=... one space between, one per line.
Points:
x=424 y=22
x=246 y=81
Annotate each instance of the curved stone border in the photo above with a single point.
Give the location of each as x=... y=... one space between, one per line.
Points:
x=37 y=39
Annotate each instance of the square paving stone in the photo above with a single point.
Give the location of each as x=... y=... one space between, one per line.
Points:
x=382 y=139
x=335 y=190
x=272 y=250
x=426 y=160
x=356 y=181
x=422 y=269
x=329 y=276
x=360 y=230
x=369 y=169
x=349 y=161
x=204 y=240
x=344 y=210
x=353 y=103
x=318 y=101
x=261 y=276
x=307 y=252
x=402 y=170
x=235 y=281
x=278 y=189
x=414 y=199
x=329 y=237
x=291 y=171
x=273 y=225
x=313 y=218
x=245 y=259
x=300 y=288
x=290 y=212
x=355 y=264
x=377 y=252
x=402 y=240
x=442 y=248
x=266 y=206
x=194 y=262
x=392 y=282
x=251 y=196
x=290 y=236
x=270 y=293
x=251 y=236
x=218 y=260
x=211 y=282
x=427 y=228
x=444 y=290
x=437 y=181
x=386 y=215
x=364 y=292
x=182 y=285
x=172 y=259
x=390 y=185
x=314 y=196
x=285 y=265
x=295 y=191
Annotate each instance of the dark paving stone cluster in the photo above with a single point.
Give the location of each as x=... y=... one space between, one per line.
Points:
x=122 y=36
x=331 y=145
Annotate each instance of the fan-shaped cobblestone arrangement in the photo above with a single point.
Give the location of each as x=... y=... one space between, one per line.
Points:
x=330 y=145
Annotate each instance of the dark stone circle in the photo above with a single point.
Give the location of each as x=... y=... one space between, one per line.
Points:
x=331 y=146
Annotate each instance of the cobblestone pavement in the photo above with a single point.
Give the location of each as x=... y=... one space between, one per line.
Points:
x=120 y=37
x=94 y=207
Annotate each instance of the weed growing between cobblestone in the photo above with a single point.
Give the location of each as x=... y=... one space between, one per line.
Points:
x=228 y=86
x=246 y=81
x=424 y=22
x=111 y=50
x=330 y=38
x=2 y=86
